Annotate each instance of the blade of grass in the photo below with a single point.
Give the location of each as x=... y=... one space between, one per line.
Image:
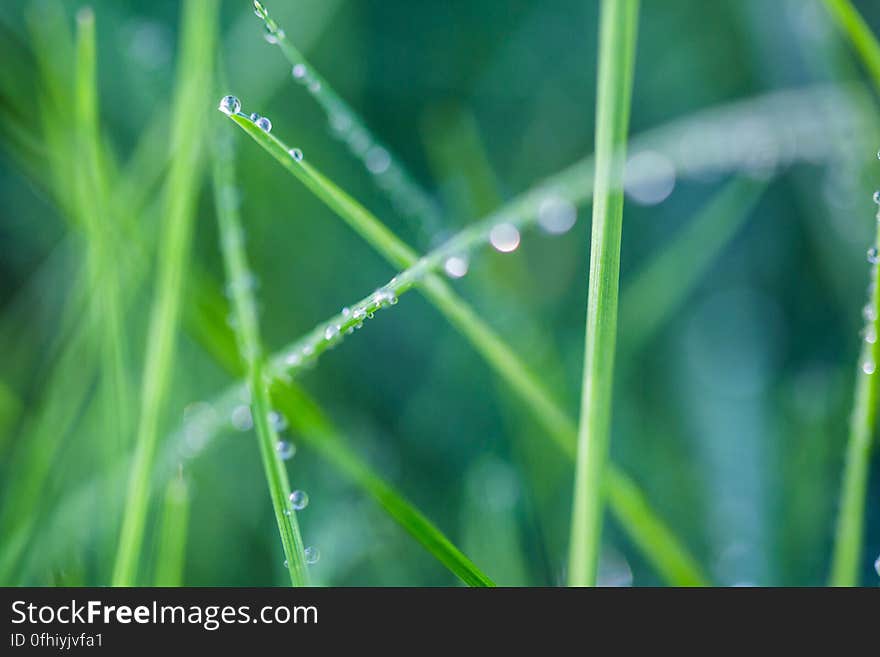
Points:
x=103 y=249
x=849 y=535
x=251 y=350
x=171 y=553
x=617 y=44
x=387 y=171
x=491 y=347
x=197 y=47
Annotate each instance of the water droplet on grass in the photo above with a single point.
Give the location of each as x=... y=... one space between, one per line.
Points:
x=298 y=72
x=277 y=421
x=877 y=566
x=331 y=332
x=504 y=237
x=868 y=366
x=260 y=10
x=230 y=105
x=312 y=555
x=556 y=215
x=378 y=160
x=285 y=449
x=263 y=123
x=456 y=266
x=877 y=197
x=296 y=154
x=299 y=499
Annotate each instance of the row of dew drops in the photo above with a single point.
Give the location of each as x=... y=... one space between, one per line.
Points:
x=345 y=127
x=869 y=332
x=555 y=215
x=242 y=419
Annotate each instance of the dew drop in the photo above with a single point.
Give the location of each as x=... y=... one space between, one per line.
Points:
x=312 y=555
x=358 y=313
x=254 y=116
x=299 y=499
x=263 y=123
x=869 y=313
x=286 y=565
x=873 y=257
x=346 y=311
x=877 y=566
x=285 y=449
x=241 y=418
x=296 y=154
x=456 y=266
x=504 y=237
x=378 y=160
x=331 y=332
x=868 y=366
x=277 y=421
x=870 y=334
x=556 y=215
x=260 y=10
x=229 y=105
x=294 y=359
x=298 y=72
x=877 y=197
x=314 y=86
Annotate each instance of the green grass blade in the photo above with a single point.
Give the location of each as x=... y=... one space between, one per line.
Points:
x=197 y=48
x=850 y=531
x=104 y=250
x=857 y=31
x=489 y=345
x=171 y=552
x=251 y=350
x=617 y=42
x=387 y=171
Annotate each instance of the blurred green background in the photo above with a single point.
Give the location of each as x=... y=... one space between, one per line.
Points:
x=731 y=415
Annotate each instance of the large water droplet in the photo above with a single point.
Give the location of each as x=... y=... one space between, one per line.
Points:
x=277 y=421
x=649 y=178
x=504 y=237
x=456 y=266
x=312 y=555
x=556 y=215
x=868 y=366
x=263 y=123
x=241 y=418
x=299 y=499
x=285 y=449
x=229 y=105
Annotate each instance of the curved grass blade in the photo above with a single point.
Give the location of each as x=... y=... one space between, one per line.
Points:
x=251 y=350
x=849 y=535
x=387 y=171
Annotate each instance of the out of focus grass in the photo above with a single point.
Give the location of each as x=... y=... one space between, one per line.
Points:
x=740 y=300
